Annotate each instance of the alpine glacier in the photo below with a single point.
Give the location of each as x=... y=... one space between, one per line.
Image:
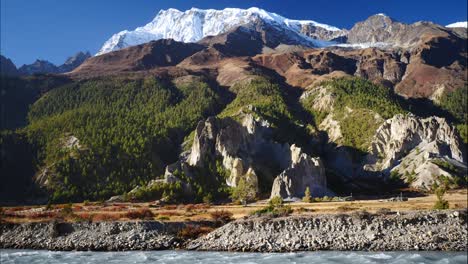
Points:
x=458 y=25
x=195 y=24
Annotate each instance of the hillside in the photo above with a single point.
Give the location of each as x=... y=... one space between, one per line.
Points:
x=256 y=106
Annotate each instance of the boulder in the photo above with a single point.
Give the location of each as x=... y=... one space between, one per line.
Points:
x=304 y=171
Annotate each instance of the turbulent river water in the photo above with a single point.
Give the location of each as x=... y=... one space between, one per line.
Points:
x=189 y=257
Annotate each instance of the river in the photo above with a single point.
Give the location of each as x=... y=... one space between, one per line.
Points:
x=191 y=257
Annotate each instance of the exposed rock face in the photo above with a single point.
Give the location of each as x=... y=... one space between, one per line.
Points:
x=237 y=145
x=7 y=67
x=304 y=171
x=381 y=28
x=402 y=133
x=421 y=167
x=316 y=32
x=379 y=66
x=413 y=142
x=246 y=148
x=438 y=63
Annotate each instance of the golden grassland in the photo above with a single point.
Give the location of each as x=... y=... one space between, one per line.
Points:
x=199 y=212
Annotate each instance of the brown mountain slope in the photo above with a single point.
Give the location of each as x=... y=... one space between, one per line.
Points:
x=435 y=62
x=160 y=53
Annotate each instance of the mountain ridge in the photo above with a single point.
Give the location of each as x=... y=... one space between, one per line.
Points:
x=195 y=24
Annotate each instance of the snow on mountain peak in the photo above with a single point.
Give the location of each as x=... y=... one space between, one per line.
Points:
x=194 y=24
x=458 y=25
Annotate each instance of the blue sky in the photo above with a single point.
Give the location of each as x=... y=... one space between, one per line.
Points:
x=56 y=29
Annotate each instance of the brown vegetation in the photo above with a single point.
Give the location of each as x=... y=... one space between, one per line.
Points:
x=193 y=231
x=143 y=213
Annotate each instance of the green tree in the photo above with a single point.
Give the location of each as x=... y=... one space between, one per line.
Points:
x=307 y=197
x=244 y=192
x=440 y=190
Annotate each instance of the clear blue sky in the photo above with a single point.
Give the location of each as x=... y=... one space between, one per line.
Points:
x=56 y=29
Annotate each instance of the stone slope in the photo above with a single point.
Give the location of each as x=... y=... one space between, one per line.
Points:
x=409 y=145
x=403 y=231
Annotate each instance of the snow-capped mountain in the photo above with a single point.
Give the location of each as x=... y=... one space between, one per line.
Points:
x=195 y=24
x=458 y=25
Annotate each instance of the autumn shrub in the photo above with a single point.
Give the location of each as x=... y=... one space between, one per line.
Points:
x=102 y=217
x=221 y=217
x=66 y=210
x=143 y=213
x=193 y=231
x=170 y=207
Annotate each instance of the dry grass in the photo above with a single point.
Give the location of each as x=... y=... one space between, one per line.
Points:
x=197 y=212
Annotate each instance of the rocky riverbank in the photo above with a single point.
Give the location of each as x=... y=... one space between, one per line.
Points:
x=445 y=230
x=101 y=236
x=391 y=232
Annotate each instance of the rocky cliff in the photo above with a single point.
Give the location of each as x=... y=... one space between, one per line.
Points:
x=246 y=150
x=412 y=146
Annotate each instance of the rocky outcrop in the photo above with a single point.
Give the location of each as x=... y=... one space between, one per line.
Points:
x=402 y=133
x=316 y=32
x=399 y=231
x=422 y=166
x=303 y=172
x=384 y=29
x=242 y=148
x=437 y=64
x=406 y=138
x=246 y=150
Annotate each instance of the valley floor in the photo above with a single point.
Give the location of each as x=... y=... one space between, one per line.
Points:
x=98 y=212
